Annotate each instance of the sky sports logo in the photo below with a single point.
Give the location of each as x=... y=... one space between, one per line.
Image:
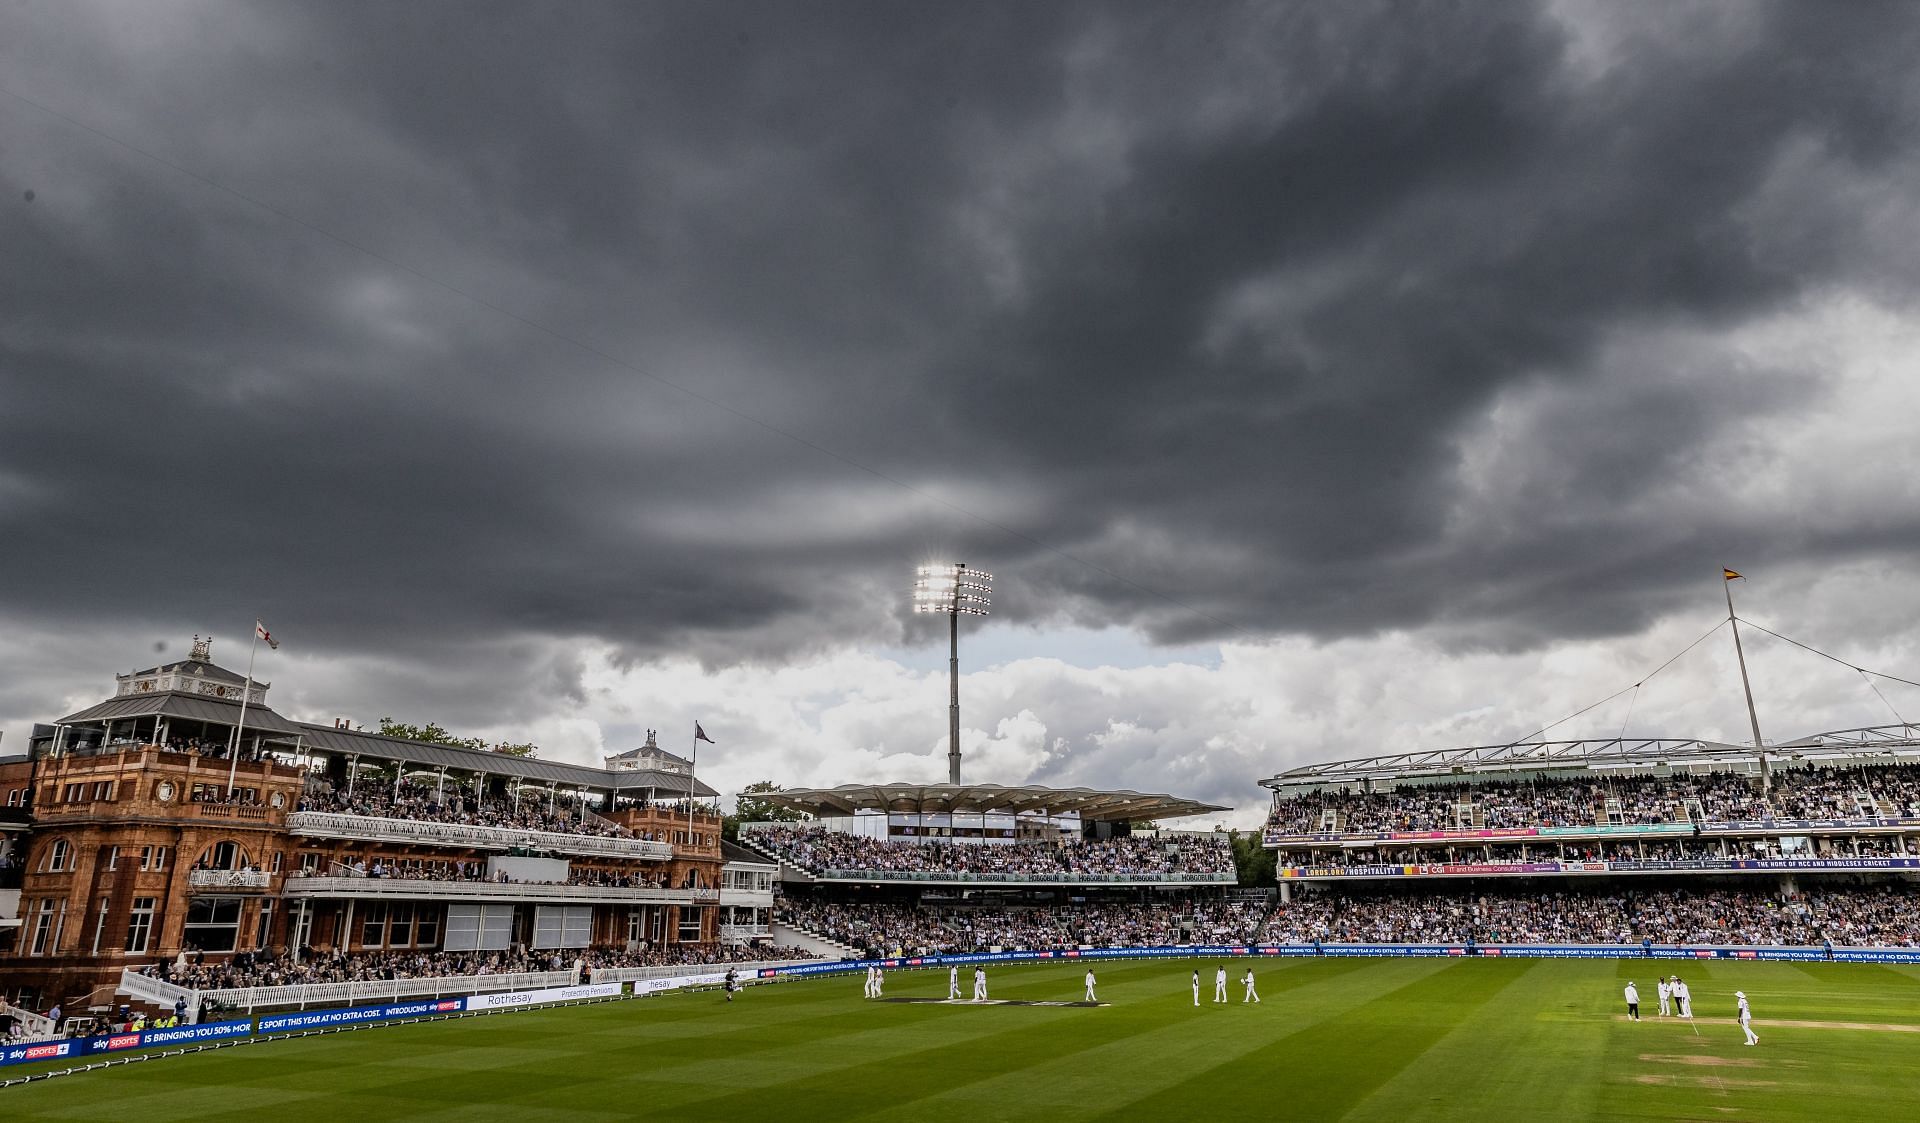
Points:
x=447 y=1004
x=42 y=1052
x=123 y=1041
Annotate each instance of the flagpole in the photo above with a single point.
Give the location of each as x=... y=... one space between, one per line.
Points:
x=1766 y=772
x=693 y=770
x=246 y=693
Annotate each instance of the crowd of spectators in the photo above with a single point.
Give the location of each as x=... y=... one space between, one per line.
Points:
x=900 y=929
x=1650 y=850
x=1887 y=916
x=425 y=869
x=818 y=851
x=427 y=803
x=268 y=969
x=1827 y=793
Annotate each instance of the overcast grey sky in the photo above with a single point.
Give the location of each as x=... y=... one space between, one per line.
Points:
x=1316 y=378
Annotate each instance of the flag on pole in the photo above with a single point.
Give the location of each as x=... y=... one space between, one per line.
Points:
x=260 y=630
x=1731 y=575
x=700 y=734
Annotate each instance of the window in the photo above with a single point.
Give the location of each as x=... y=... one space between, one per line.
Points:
x=373 y=925
x=100 y=926
x=113 y=857
x=17 y=797
x=309 y=863
x=263 y=933
x=103 y=789
x=59 y=856
x=140 y=925
x=426 y=926
x=690 y=925
x=43 y=928
x=400 y=926
x=74 y=793
x=213 y=923
x=223 y=856
x=153 y=857
x=278 y=860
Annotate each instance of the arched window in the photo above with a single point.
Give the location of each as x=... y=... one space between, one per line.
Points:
x=223 y=856
x=59 y=856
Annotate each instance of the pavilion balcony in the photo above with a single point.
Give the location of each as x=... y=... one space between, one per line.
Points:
x=245 y=881
x=421 y=832
x=412 y=889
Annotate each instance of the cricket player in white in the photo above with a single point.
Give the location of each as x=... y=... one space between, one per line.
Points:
x=1746 y=1018
x=1682 y=997
x=1196 y=988
x=1220 y=985
x=1633 y=1001
x=867 y=992
x=953 y=984
x=979 y=984
x=1666 y=997
x=1251 y=995
x=879 y=982
x=1090 y=997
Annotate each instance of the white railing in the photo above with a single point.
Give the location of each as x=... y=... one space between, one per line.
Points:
x=229 y=879
x=332 y=824
x=146 y=988
x=401 y=888
x=745 y=932
x=957 y=877
x=157 y=992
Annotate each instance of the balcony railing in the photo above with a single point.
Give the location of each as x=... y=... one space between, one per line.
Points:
x=1195 y=877
x=229 y=879
x=331 y=824
x=409 y=889
x=148 y=989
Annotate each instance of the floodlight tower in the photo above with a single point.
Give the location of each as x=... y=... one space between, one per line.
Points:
x=957 y=591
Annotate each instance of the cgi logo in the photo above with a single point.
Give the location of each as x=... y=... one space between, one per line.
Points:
x=447 y=1004
x=123 y=1041
x=42 y=1052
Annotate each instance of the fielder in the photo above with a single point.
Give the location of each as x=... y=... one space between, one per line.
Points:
x=1220 y=984
x=1090 y=997
x=953 y=984
x=867 y=991
x=1746 y=1018
x=1682 y=997
x=1633 y=1001
x=1196 y=988
x=1251 y=995
x=1666 y=996
x=879 y=982
x=979 y=984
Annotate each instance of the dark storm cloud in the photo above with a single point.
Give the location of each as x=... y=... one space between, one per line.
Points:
x=1205 y=296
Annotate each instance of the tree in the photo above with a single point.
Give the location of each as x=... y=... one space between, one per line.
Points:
x=1252 y=860
x=751 y=809
x=433 y=734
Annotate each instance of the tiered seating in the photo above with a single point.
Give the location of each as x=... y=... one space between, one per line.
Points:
x=1849 y=793
x=819 y=851
x=1887 y=916
x=926 y=930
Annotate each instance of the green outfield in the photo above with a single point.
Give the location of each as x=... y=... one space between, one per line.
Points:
x=1334 y=1039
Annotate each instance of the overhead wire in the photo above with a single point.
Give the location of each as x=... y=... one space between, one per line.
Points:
x=1864 y=673
x=1644 y=679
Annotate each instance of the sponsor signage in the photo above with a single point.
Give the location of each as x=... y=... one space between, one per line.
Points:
x=510 y=999
x=121 y=1042
x=359 y=1015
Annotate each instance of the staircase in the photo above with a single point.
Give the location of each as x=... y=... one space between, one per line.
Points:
x=787 y=935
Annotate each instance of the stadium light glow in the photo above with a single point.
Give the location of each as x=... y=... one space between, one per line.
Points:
x=952 y=590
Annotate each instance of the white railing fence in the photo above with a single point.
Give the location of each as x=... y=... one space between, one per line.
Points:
x=631 y=974
x=146 y=988
x=332 y=824
x=30 y=1023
